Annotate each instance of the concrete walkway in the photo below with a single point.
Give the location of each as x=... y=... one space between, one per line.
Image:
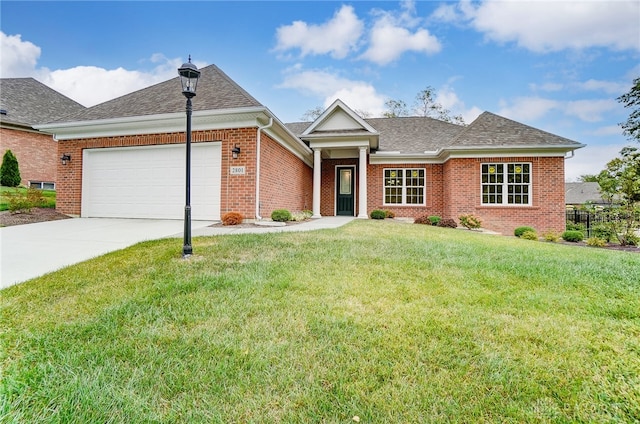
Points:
x=29 y=251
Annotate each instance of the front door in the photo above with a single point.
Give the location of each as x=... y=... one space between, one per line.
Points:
x=345 y=199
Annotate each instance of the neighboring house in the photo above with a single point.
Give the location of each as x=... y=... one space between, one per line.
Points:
x=584 y=193
x=24 y=104
x=128 y=160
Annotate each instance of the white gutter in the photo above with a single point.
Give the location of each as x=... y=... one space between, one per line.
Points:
x=260 y=128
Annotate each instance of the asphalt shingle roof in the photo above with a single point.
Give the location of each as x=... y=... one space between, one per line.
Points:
x=215 y=91
x=30 y=102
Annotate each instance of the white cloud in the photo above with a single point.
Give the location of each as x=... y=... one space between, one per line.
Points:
x=358 y=95
x=392 y=35
x=544 y=26
x=589 y=110
x=338 y=36
x=590 y=160
x=19 y=57
x=527 y=109
x=609 y=87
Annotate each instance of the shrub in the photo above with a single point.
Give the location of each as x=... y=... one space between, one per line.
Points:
x=596 y=242
x=551 y=236
x=232 y=218
x=529 y=235
x=448 y=223
x=24 y=201
x=434 y=219
x=573 y=236
x=518 y=232
x=281 y=215
x=422 y=220
x=390 y=214
x=301 y=216
x=470 y=221
x=633 y=240
x=602 y=231
x=378 y=214
x=576 y=227
x=9 y=170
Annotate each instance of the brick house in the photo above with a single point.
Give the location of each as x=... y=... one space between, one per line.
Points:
x=24 y=104
x=128 y=160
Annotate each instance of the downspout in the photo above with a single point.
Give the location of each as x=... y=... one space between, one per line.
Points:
x=573 y=153
x=258 y=217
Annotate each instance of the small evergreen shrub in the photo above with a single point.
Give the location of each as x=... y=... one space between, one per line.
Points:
x=232 y=218
x=470 y=222
x=434 y=219
x=448 y=223
x=573 y=236
x=603 y=232
x=281 y=215
x=529 y=235
x=378 y=214
x=576 y=227
x=9 y=170
x=390 y=214
x=551 y=236
x=596 y=242
x=518 y=232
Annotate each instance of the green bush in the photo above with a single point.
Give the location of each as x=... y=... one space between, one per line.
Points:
x=573 y=236
x=470 y=221
x=518 y=232
x=378 y=214
x=576 y=227
x=596 y=242
x=448 y=223
x=9 y=171
x=529 y=235
x=281 y=215
x=602 y=231
x=551 y=236
x=434 y=219
x=24 y=201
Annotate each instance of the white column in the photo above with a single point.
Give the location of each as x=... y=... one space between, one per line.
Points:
x=317 y=165
x=362 y=186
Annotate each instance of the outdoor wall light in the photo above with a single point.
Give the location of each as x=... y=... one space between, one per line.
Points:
x=235 y=152
x=65 y=158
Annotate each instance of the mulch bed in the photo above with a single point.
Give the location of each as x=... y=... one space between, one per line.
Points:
x=8 y=219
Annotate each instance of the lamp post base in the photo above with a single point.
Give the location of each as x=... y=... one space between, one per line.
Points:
x=187 y=249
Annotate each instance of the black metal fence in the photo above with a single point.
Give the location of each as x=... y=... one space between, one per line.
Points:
x=586 y=218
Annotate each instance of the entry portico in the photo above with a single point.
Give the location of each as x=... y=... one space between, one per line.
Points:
x=339 y=133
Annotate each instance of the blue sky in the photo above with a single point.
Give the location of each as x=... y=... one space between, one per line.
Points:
x=555 y=65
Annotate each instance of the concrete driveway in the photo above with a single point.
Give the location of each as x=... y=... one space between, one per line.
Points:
x=29 y=251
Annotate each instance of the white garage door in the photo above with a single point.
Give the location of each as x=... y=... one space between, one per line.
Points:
x=149 y=182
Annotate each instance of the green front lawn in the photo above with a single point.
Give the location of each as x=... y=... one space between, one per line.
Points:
x=384 y=321
x=48 y=195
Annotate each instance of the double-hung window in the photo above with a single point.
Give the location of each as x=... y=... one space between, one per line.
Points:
x=404 y=186
x=506 y=183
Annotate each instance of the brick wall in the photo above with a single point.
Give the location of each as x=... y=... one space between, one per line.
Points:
x=547 y=210
x=286 y=182
x=37 y=154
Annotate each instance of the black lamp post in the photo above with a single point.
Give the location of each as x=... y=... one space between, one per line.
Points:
x=189 y=75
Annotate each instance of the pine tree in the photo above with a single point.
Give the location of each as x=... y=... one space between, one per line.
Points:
x=9 y=171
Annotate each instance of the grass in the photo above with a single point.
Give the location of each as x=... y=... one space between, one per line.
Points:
x=384 y=321
x=49 y=196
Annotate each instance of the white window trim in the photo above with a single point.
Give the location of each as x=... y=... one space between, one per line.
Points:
x=404 y=188
x=505 y=186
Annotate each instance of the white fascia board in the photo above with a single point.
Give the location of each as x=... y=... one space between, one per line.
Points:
x=339 y=144
x=398 y=158
x=153 y=124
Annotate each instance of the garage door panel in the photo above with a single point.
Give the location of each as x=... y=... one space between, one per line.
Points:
x=149 y=182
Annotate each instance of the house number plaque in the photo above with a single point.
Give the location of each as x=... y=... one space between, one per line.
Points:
x=237 y=170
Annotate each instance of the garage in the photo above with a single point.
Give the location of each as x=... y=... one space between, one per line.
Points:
x=149 y=182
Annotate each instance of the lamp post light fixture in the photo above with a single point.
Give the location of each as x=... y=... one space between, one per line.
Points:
x=235 y=152
x=65 y=158
x=189 y=75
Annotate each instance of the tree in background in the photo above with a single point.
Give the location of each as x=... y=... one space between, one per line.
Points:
x=395 y=109
x=588 y=178
x=621 y=181
x=426 y=105
x=9 y=171
x=632 y=100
